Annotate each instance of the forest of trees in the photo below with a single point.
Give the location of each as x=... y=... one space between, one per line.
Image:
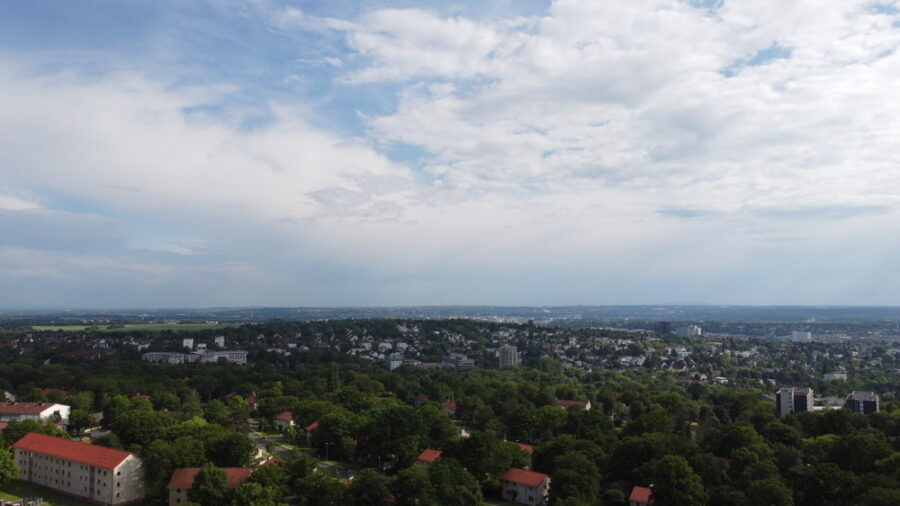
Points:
x=694 y=443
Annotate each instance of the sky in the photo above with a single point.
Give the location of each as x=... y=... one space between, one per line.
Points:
x=161 y=153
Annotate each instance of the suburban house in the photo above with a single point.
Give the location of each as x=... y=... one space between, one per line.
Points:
x=640 y=496
x=183 y=480
x=585 y=405
x=522 y=486
x=428 y=457
x=91 y=472
x=525 y=448
x=38 y=411
x=310 y=429
x=449 y=408
x=284 y=420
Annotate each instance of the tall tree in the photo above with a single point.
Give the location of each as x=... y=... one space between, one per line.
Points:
x=676 y=484
x=210 y=486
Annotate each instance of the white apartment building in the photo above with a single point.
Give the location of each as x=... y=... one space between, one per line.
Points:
x=38 y=411
x=509 y=356
x=95 y=473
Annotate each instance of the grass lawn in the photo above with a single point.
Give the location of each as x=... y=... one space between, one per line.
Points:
x=16 y=490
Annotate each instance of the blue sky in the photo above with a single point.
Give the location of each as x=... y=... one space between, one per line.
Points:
x=167 y=153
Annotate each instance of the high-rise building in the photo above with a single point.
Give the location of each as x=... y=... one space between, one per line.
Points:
x=509 y=356
x=662 y=327
x=793 y=400
x=187 y=343
x=862 y=402
x=688 y=331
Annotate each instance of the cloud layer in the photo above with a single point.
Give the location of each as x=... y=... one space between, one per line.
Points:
x=582 y=152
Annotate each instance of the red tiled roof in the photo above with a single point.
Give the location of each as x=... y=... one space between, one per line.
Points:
x=137 y=397
x=25 y=408
x=285 y=416
x=184 y=478
x=640 y=494
x=92 y=455
x=448 y=405
x=421 y=397
x=526 y=448
x=430 y=455
x=3 y=425
x=313 y=426
x=250 y=400
x=524 y=477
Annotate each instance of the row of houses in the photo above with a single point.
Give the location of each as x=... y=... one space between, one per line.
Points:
x=99 y=474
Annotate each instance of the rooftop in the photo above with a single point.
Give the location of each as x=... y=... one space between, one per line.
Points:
x=25 y=408
x=82 y=453
x=524 y=477
x=429 y=455
x=184 y=478
x=640 y=494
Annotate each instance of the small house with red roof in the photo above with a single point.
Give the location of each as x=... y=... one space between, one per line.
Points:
x=183 y=480
x=428 y=457
x=640 y=496
x=565 y=404
x=449 y=408
x=525 y=448
x=86 y=471
x=310 y=429
x=284 y=420
x=522 y=486
x=421 y=399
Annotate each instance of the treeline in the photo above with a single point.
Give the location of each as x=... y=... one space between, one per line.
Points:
x=695 y=443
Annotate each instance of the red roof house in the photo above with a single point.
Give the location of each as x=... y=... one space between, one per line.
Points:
x=449 y=408
x=522 y=486
x=585 y=405
x=65 y=449
x=524 y=447
x=429 y=456
x=183 y=479
x=640 y=496
x=44 y=460
x=284 y=420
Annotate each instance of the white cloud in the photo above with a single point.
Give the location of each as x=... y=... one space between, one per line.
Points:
x=603 y=152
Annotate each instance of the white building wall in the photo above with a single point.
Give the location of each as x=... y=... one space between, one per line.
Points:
x=125 y=484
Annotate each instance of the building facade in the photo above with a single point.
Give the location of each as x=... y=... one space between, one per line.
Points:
x=793 y=400
x=522 y=486
x=863 y=402
x=37 y=411
x=509 y=356
x=96 y=473
x=183 y=480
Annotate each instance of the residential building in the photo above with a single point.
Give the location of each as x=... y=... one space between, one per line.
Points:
x=662 y=327
x=219 y=341
x=449 y=408
x=835 y=376
x=183 y=480
x=640 y=496
x=284 y=420
x=863 y=402
x=688 y=331
x=428 y=457
x=310 y=429
x=793 y=400
x=38 y=411
x=585 y=405
x=801 y=337
x=522 y=486
x=212 y=357
x=188 y=343
x=458 y=361
x=164 y=357
x=509 y=356
x=86 y=471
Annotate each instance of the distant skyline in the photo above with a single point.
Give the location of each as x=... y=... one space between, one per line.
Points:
x=381 y=153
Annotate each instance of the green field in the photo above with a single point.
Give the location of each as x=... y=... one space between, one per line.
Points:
x=135 y=327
